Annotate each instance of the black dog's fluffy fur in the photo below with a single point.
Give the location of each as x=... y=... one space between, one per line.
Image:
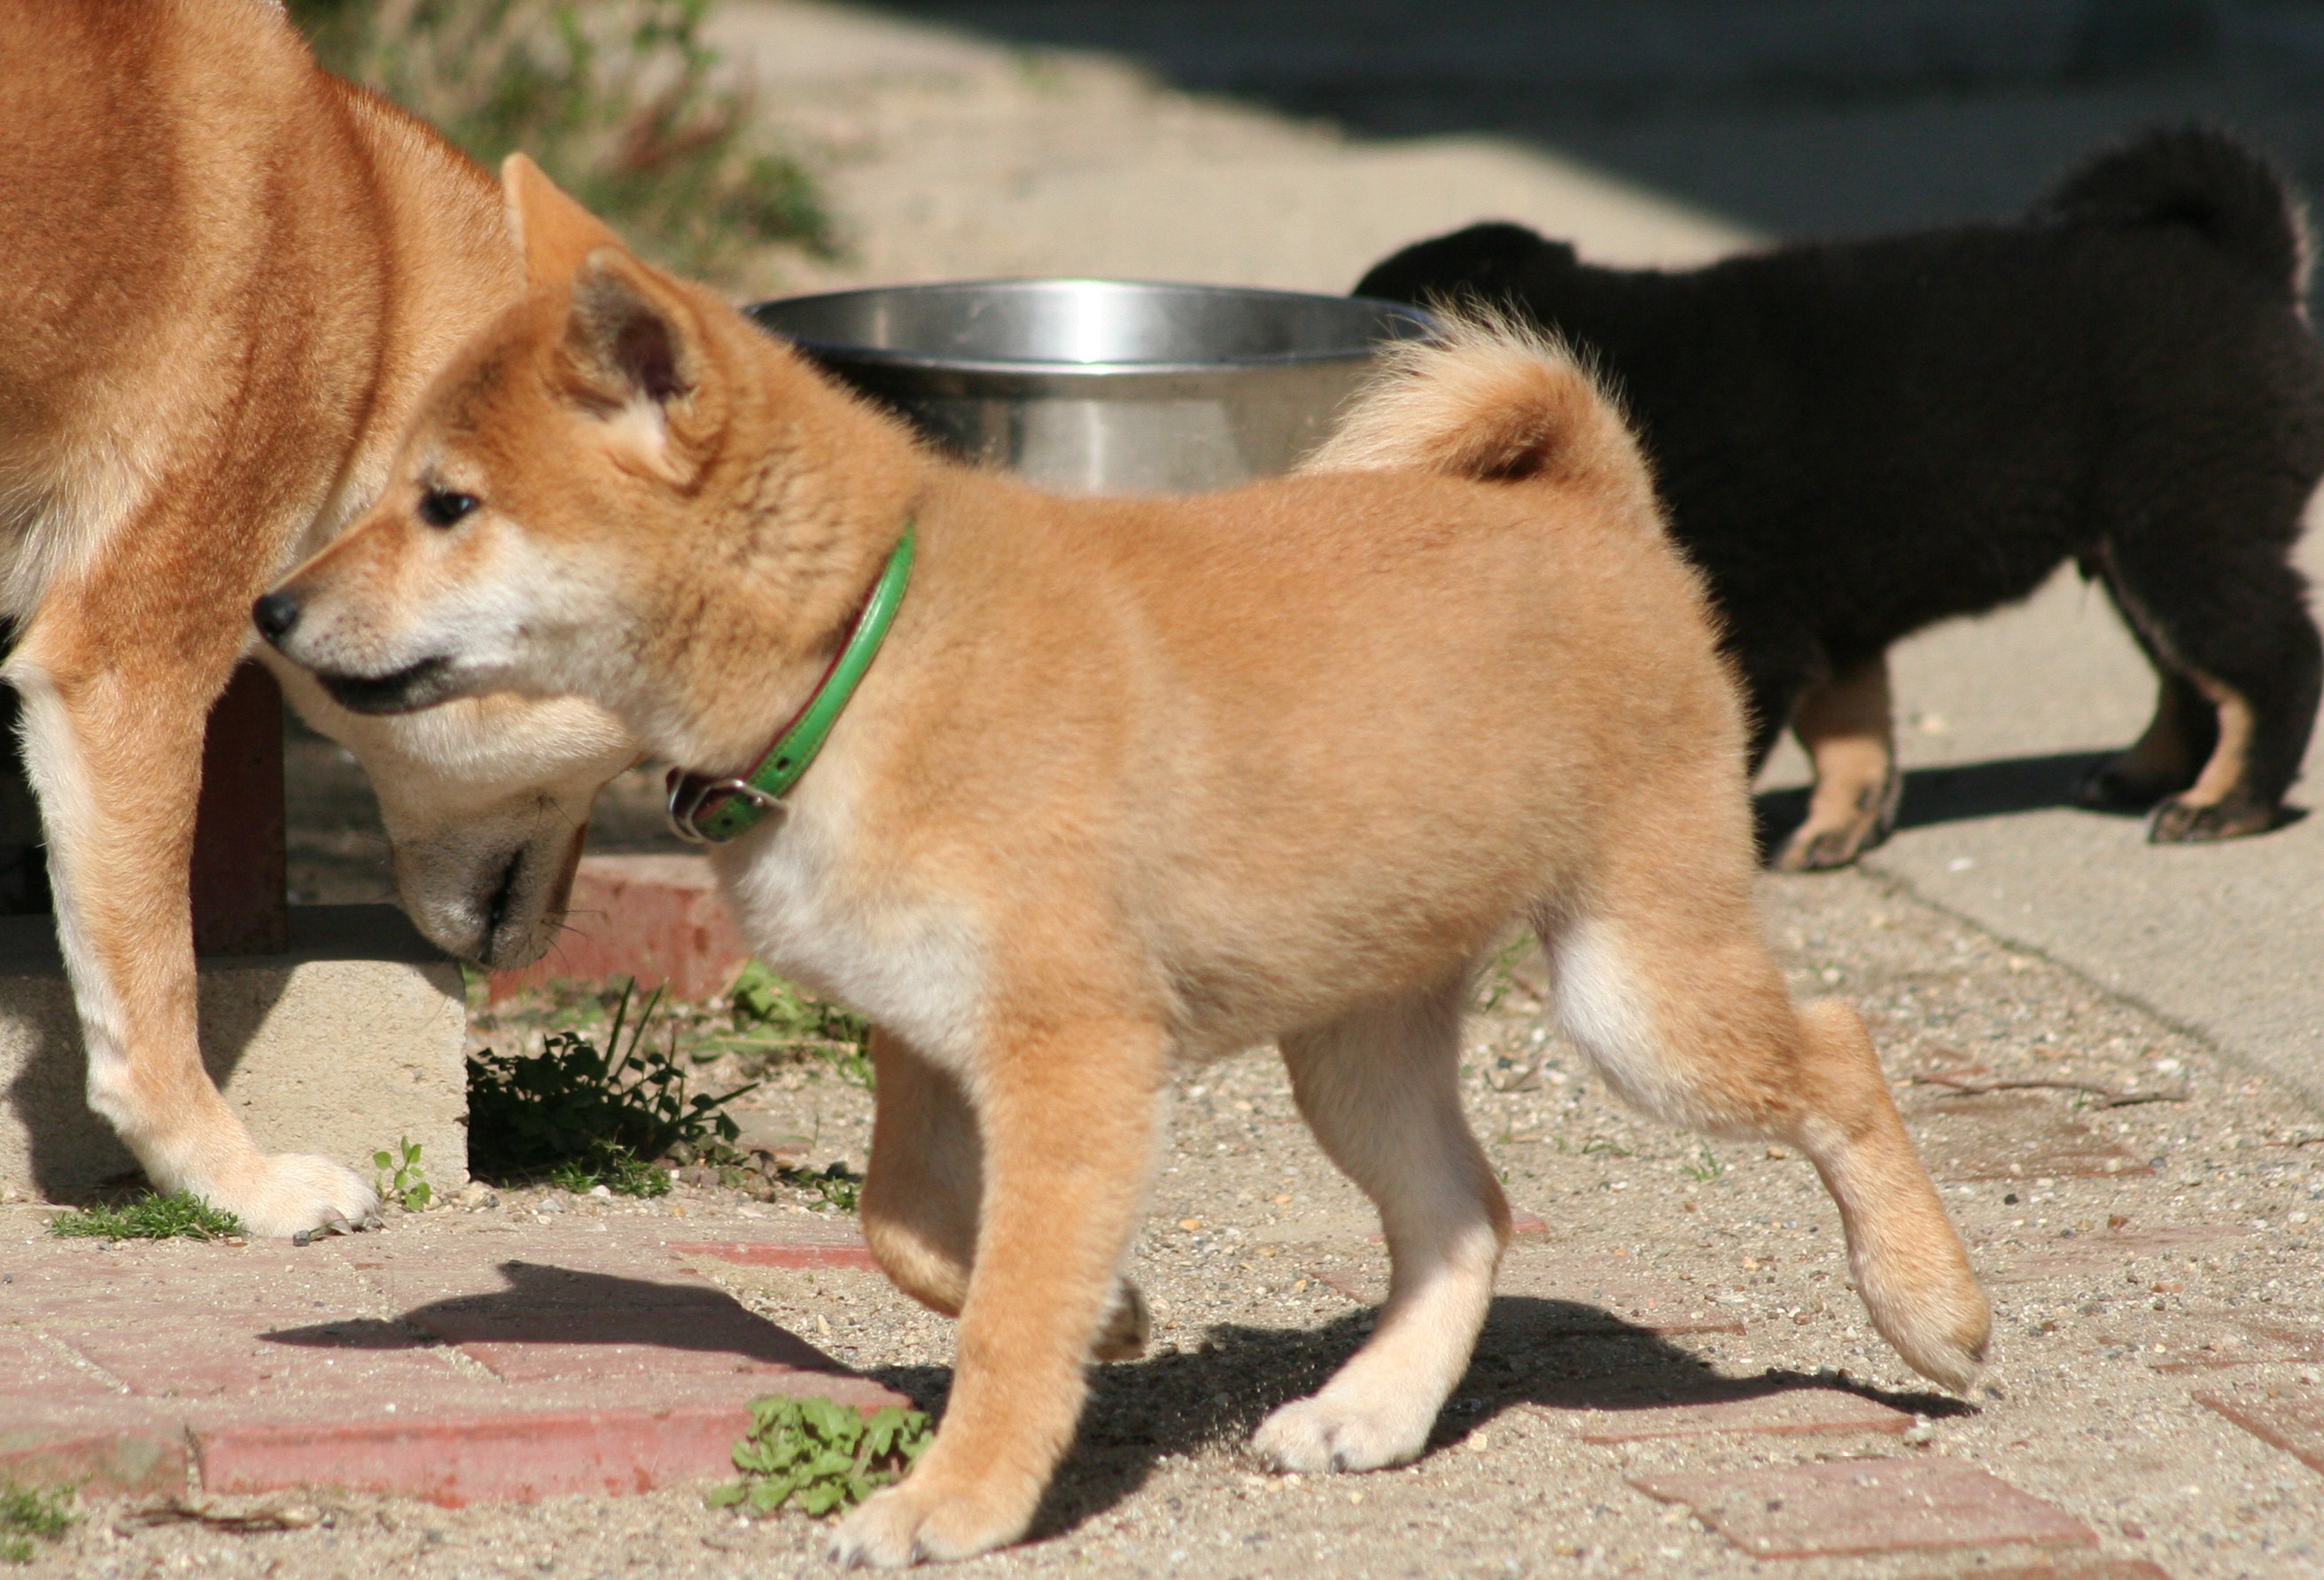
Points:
x=1858 y=438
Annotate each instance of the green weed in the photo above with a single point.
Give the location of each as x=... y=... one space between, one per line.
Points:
x=176 y=1216
x=27 y=1513
x=621 y=101
x=402 y=1179
x=820 y=1456
x=773 y=1019
x=1502 y=975
x=574 y=1103
x=839 y=1186
x=618 y=1171
x=1706 y=1166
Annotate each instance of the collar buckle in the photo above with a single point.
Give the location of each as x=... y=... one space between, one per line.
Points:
x=693 y=797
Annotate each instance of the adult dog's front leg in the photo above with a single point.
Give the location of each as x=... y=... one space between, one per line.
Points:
x=114 y=752
x=1066 y=1119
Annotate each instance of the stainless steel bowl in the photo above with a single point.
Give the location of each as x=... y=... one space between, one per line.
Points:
x=1103 y=386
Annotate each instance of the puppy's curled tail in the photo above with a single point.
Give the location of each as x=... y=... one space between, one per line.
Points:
x=2204 y=180
x=1496 y=401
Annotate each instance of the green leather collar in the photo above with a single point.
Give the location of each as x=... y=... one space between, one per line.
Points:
x=712 y=811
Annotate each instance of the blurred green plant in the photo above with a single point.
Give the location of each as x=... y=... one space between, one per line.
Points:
x=621 y=101
x=772 y=1017
x=1706 y=1166
x=819 y=1455
x=176 y=1216
x=618 y=1169
x=610 y=1110
x=27 y=1512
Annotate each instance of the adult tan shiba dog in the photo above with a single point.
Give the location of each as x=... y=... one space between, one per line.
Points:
x=229 y=277
x=1136 y=783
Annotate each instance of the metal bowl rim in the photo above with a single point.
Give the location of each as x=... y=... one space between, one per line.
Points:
x=881 y=357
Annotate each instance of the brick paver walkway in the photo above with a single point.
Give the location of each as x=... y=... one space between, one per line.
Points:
x=442 y=1361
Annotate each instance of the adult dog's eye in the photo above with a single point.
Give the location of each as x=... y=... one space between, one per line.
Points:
x=441 y=507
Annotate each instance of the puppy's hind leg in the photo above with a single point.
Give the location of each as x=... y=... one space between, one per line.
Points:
x=1846 y=725
x=1381 y=1088
x=2226 y=620
x=2167 y=755
x=1668 y=989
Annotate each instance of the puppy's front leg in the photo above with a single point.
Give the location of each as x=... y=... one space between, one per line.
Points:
x=1067 y=1115
x=923 y=1185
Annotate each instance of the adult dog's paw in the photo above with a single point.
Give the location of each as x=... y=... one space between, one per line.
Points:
x=1327 y=1434
x=291 y=1194
x=912 y=1523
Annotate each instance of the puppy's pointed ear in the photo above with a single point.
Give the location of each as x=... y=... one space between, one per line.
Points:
x=631 y=341
x=552 y=232
x=628 y=335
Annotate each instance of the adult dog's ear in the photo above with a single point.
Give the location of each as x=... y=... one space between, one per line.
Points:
x=552 y=232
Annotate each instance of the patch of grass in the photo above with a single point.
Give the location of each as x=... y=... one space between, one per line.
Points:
x=819 y=1456
x=608 y=1111
x=402 y=1178
x=621 y=101
x=618 y=1171
x=1706 y=1166
x=773 y=1019
x=176 y=1216
x=840 y=1187
x=30 y=1513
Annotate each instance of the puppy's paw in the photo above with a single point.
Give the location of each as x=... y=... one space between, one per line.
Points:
x=1820 y=850
x=919 y=1522
x=2175 y=822
x=1327 y=1434
x=1127 y=1325
x=1835 y=835
x=290 y=1194
x=1928 y=1305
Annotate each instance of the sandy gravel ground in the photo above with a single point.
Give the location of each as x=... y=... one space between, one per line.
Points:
x=1246 y=1214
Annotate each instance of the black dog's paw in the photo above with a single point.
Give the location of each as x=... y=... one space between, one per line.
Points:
x=2175 y=822
x=1823 y=850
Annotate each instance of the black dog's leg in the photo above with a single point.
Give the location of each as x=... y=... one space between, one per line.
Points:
x=2228 y=628
x=1845 y=725
x=2165 y=759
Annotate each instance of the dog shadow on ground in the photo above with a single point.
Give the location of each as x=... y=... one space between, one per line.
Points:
x=547 y=1305
x=1953 y=794
x=1214 y=1396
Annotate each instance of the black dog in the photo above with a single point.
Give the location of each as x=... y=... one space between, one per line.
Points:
x=1858 y=438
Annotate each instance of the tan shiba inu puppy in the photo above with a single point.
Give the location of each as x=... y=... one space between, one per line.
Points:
x=229 y=276
x=1135 y=783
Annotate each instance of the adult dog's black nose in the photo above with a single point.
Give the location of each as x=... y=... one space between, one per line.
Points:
x=274 y=614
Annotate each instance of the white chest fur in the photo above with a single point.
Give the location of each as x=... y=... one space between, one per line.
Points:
x=809 y=908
